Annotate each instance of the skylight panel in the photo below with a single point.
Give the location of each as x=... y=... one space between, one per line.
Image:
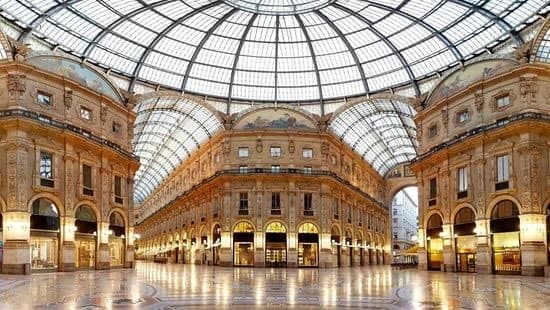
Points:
x=343 y=59
x=419 y=8
x=214 y=58
x=256 y=63
x=295 y=64
x=174 y=9
x=135 y=33
x=152 y=20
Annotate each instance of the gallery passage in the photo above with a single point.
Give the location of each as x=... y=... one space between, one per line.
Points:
x=505 y=238
x=85 y=237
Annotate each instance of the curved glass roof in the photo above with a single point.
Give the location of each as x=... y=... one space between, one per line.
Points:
x=267 y=50
x=380 y=130
x=543 y=50
x=167 y=130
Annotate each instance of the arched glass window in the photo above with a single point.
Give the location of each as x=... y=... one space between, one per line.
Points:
x=45 y=215
x=86 y=222
x=116 y=224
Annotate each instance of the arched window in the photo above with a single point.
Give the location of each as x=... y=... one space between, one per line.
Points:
x=505 y=217
x=275 y=227
x=44 y=215
x=308 y=228
x=464 y=222
x=86 y=221
x=116 y=224
x=435 y=226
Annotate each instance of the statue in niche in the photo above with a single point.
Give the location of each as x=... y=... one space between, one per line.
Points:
x=259 y=144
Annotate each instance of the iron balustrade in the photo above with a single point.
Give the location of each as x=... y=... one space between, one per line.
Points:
x=46 y=120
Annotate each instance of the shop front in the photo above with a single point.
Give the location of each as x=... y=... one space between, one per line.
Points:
x=505 y=238
x=44 y=235
x=275 y=245
x=465 y=240
x=308 y=245
x=434 y=242
x=85 y=238
x=116 y=239
x=243 y=244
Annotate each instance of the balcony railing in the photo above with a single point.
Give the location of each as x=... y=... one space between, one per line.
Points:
x=119 y=199
x=308 y=212
x=275 y=211
x=47 y=183
x=526 y=116
x=462 y=194
x=243 y=212
x=501 y=185
x=87 y=191
x=46 y=120
x=432 y=202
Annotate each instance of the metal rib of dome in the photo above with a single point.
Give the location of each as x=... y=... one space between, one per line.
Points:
x=266 y=50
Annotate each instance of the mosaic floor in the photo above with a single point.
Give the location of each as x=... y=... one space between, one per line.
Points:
x=154 y=286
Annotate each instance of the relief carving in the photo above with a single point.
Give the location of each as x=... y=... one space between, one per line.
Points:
x=103 y=114
x=324 y=148
x=259 y=144
x=68 y=98
x=291 y=147
x=16 y=85
x=528 y=86
x=445 y=117
x=478 y=101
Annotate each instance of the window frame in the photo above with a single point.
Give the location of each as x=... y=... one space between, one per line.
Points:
x=275 y=154
x=242 y=155
x=88 y=116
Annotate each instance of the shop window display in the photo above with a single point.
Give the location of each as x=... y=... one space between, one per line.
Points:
x=44 y=235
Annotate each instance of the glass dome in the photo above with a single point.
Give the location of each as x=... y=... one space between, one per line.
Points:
x=267 y=50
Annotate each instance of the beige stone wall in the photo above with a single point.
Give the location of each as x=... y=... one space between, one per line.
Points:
x=32 y=128
x=525 y=141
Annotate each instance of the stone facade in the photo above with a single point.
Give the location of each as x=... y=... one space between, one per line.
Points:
x=495 y=132
x=180 y=220
x=40 y=113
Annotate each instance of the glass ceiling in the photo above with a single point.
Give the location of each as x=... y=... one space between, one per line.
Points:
x=167 y=130
x=267 y=50
x=543 y=51
x=380 y=130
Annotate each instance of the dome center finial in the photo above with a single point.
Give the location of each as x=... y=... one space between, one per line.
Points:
x=278 y=7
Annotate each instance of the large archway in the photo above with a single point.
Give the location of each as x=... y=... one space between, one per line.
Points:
x=85 y=237
x=465 y=240
x=243 y=244
x=117 y=239
x=308 y=245
x=404 y=227
x=275 y=245
x=505 y=238
x=44 y=235
x=434 y=242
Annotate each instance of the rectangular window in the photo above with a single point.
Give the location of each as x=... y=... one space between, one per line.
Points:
x=394 y=236
x=243 y=152
x=243 y=169
x=117 y=128
x=85 y=113
x=243 y=203
x=463 y=116
x=308 y=204
x=44 y=98
x=394 y=211
x=433 y=188
x=307 y=169
x=462 y=178
x=503 y=101
x=46 y=165
x=275 y=203
x=432 y=131
x=335 y=209
x=275 y=151
x=275 y=168
x=395 y=221
x=503 y=168
x=307 y=153
x=87 y=180
x=118 y=186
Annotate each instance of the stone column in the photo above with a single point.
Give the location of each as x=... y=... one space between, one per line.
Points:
x=16 y=252
x=326 y=258
x=533 y=248
x=449 y=261
x=483 y=251
x=422 y=252
x=259 y=249
x=103 y=261
x=68 y=250
x=129 y=255
x=225 y=252
x=292 y=257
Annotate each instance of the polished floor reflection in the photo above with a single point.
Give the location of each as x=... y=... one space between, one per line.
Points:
x=157 y=286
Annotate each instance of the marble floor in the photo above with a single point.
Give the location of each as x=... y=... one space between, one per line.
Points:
x=157 y=286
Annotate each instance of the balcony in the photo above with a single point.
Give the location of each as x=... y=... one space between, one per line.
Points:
x=462 y=194
x=87 y=191
x=243 y=212
x=47 y=183
x=336 y=216
x=501 y=185
x=119 y=200
x=275 y=211
x=308 y=212
x=432 y=202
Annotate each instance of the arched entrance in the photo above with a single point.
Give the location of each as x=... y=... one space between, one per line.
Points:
x=308 y=245
x=404 y=228
x=434 y=242
x=335 y=241
x=505 y=238
x=275 y=245
x=116 y=239
x=204 y=246
x=44 y=235
x=349 y=245
x=216 y=242
x=85 y=237
x=465 y=240
x=243 y=244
